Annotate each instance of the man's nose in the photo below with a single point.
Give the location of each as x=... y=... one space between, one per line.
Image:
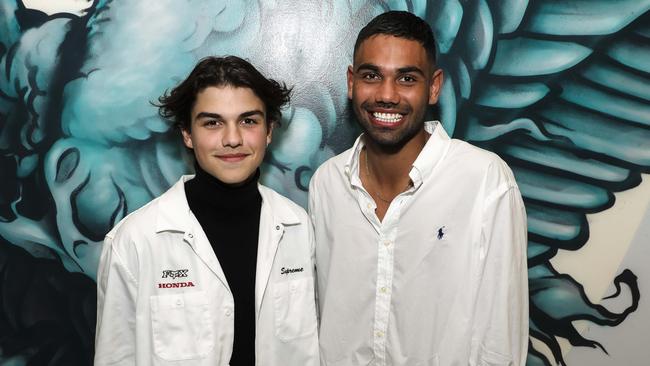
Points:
x=232 y=136
x=387 y=93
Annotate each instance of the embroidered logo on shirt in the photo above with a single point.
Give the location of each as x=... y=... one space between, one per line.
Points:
x=290 y=270
x=176 y=285
x=441 y=232
x=173 y=274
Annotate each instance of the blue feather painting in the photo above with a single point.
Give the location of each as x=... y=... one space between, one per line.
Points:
x=559 y=89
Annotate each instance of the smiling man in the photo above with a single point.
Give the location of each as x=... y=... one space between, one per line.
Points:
x=219 y=269
x=420 y=239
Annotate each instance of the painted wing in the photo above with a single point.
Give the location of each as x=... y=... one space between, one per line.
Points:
x=561 y=91
x=47 y=313
x=30 y=64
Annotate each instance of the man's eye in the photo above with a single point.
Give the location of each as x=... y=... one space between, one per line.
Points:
x=408 y=79
x=370 y=76
x=211 y=123
x=249 y=121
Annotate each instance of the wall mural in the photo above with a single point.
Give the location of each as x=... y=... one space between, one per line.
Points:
x=561 y=90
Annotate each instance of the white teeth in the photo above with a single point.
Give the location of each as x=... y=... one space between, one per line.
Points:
x=387 y=117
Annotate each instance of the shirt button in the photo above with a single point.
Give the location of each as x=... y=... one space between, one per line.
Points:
x=386 y=242
x=277 y=227
x=179 y=302
x=369 y=206
x=383 y=290
x=380 y=334
x=228 y=312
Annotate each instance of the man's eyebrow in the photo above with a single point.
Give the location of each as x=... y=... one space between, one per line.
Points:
x=401 y=70
x=367 y=66
x=208 y=115
x=254 y=112
x=409 y=69
x=219 y=117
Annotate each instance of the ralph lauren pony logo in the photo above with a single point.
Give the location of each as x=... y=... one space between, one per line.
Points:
x=441 y=232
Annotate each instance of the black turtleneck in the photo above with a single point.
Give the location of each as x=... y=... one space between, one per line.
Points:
x=230 y=218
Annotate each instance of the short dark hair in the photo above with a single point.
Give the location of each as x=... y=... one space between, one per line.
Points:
x=176 y=105
x=400 y=24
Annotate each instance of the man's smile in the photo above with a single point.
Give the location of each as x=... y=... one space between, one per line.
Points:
x=232 y=158
x=387 y=118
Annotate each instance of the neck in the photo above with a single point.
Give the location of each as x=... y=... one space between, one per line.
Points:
x=211 y=181
x=207 y=192
x=390 y=166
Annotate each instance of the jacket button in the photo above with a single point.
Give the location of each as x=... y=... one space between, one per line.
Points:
x=190 y=236
x=277 y=227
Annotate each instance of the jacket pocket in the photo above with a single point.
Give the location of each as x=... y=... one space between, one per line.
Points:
x=295 y=308
x=181 y=326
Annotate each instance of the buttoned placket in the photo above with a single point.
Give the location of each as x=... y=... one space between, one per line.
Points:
x=387 y=231
x=387 y=234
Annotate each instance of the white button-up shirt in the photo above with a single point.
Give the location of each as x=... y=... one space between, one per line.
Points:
x=163 y=299
x=442 y=280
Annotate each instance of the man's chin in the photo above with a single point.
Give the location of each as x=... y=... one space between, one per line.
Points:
x=386 y=143
x=389 y=141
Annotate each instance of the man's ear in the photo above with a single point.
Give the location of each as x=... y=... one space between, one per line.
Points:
x=187 y=138
x=269 y=134
x=436 y=85
x=350 y=81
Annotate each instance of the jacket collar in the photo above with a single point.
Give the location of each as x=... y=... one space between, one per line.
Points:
x=281 y=212
x=175 y=214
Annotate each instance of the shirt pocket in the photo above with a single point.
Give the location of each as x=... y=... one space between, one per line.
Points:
x=295 y=308
x=182 y=326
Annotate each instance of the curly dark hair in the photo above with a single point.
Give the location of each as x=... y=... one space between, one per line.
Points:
x=400 y=24
x=176 y=105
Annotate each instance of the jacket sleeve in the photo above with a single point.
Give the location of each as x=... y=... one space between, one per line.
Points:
x=312 y=239
x=500 y=334
x=312 y=248
x=116 y=293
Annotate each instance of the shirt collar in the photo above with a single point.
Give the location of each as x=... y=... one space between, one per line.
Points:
x=433 y=151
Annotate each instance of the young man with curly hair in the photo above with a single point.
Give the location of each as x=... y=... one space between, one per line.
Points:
x=219 y=269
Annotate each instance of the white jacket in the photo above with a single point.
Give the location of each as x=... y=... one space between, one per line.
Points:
x=163 y=299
